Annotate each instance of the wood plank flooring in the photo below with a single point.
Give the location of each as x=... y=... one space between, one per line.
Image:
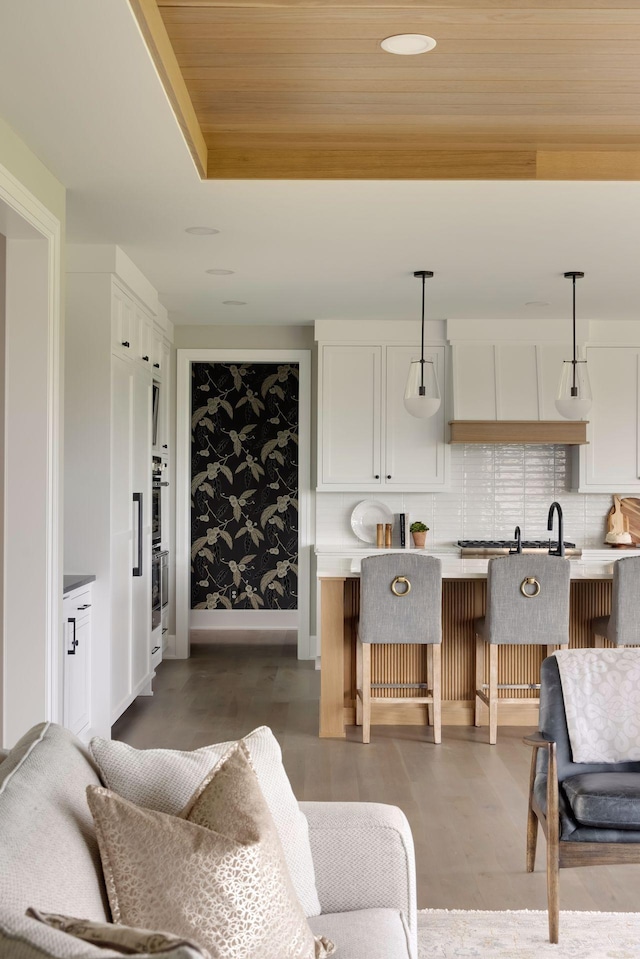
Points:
x=465 y=800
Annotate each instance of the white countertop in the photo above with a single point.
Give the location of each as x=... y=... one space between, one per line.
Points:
x=345 y=561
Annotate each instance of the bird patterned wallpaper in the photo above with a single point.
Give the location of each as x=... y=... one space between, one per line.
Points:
x=244 y=486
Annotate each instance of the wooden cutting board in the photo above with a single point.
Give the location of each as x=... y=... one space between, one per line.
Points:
x=625 y=515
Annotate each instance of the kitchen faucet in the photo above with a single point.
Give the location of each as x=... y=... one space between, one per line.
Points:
x=517 y=535
x=558 y=509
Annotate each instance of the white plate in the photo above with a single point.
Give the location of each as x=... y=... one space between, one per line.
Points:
x=366 y=517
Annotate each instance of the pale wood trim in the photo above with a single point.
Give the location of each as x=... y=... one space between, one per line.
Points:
x=570 y=433
x=159 y=45
x=588 y=165
x=274 y=161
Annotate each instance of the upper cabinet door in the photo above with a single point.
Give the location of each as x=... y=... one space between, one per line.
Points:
x=414 y=449
x=350 y=417
x=610 y=462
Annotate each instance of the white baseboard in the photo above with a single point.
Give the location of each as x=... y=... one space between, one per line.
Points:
x=244 y=619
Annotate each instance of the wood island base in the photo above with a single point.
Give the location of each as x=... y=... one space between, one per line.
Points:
x=463 y=600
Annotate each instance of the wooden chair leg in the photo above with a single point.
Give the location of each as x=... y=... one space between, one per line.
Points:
x=366 y=692
x=493 y=693
x=553 y=846
x=436 y=654
x=358 y=682
x=429 y=657
x=479 y=679
x=532 y=819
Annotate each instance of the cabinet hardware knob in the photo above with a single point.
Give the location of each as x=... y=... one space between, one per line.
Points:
x=146 y=359
x=377 y=476
x=156 y=366
x=126 y=343
x=388 y=475
x=164 y=446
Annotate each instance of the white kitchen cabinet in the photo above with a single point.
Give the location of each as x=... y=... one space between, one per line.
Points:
x=350 y=407
x=123 y=322
x=108 y=421
x=144 y=336
x=367 y=441
x=76 y=631
x=130 y=533
x=415 y=449
x=610 y=463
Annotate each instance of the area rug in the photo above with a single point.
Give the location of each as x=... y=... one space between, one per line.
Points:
x=458 y=934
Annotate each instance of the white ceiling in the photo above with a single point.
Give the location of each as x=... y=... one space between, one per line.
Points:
x=77 y=84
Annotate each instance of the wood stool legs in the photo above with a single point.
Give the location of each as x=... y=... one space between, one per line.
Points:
x=493 y=694
x=358 y=682
x=366 y=692
x=436 y=691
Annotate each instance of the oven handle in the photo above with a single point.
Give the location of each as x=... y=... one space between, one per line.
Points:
x=137 y=498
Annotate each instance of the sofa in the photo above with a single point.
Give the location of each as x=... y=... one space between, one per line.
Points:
x=362 y=855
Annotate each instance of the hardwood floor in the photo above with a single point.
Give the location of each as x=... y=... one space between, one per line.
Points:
x=465 y=800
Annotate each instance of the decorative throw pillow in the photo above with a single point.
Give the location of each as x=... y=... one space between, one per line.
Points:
x=165 y=779
x=216 y=874
x=109 y=935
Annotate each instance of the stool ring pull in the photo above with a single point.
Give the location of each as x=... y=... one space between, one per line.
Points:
x=394 y=586
x=530 y=587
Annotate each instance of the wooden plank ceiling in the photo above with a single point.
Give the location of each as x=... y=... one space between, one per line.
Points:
x=515 y=89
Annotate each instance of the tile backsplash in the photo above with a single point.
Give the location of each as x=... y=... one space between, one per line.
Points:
x=493 y=490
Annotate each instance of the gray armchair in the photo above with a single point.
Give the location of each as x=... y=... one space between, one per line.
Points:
x=590 y=813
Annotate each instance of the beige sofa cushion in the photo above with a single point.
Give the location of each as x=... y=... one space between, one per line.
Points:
x=48 y=851
x=216 y=875
x=366 y=933
x=165 y=779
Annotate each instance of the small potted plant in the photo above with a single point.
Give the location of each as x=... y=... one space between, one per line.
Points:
x=419 y=533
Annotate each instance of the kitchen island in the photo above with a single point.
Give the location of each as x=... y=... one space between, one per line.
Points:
x=463 y=600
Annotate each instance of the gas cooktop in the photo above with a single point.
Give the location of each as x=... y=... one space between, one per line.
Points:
x=480 y=548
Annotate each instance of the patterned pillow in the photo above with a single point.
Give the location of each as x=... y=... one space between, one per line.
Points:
x=164 y=780
x=108 y=935
x=216 y=874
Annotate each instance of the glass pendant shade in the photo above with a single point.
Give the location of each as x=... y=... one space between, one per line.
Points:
x=423 y=405
x=574 y=392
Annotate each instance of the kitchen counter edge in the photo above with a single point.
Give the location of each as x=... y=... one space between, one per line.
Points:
x=73 y=581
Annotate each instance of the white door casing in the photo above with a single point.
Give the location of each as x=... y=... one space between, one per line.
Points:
x=183 y=483
x=31 y=670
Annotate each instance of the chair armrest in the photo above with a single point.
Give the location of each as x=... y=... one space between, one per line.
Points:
x=537 y=740
x=363 y=857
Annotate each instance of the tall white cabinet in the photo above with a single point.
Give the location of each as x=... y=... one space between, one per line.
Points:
x=108 y=449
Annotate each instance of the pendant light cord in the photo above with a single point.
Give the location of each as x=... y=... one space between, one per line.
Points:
x=422 y=342
x=574 y=391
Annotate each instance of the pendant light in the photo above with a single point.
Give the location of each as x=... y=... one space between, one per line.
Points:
x=422 y=393
x=574 y=392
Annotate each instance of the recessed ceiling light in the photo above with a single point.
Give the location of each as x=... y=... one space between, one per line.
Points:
x=537 y=303
x=220 y=272
x=201 y=230
x=233 y=303
x=408 y=44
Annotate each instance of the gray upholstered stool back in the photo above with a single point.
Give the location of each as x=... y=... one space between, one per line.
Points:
x=624 y=624
x=513 y=617
x=416 y=616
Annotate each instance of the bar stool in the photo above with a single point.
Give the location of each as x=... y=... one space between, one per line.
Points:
x=527 y=602
x=400 y=602
x=622 y=627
